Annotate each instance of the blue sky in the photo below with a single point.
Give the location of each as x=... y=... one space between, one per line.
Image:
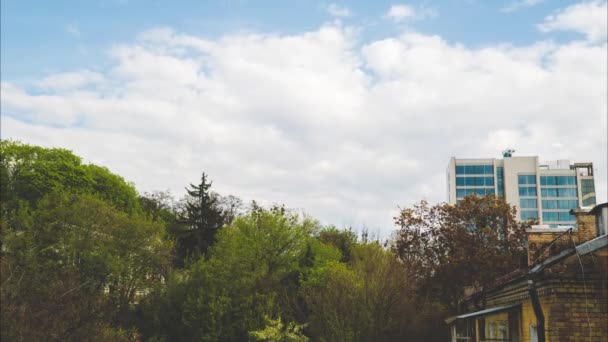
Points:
x=40 y=37
x=344 y=110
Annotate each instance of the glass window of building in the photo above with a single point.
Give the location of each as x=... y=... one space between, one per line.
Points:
x=567 y=204
x=549 y=192
x=529 y=214
x=590 y=201
x=550 y=216
x=587 y=186
x=566 y=192
x=528 y=203
x=549 y=204
x=565 y=216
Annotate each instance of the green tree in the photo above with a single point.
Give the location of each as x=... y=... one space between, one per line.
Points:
x=344 y=240
x=277 y=331
x=367 y=299
x=244 y=279
x=28 y=173
x=202 y=220
x=75 y=269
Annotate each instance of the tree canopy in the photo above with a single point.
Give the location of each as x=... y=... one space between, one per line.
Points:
x=85 y=257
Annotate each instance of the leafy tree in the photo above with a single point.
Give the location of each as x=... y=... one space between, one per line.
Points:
x=344 y=240
x=230 y=206
x=453 y=246
x=28 y=173
x=112 y=188
x=229 y=294
x=277 y=331
x=75 y=268
x=364 y=300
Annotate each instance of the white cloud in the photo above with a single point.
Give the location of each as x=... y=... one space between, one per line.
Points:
x=73 y=30
x=403 y=13
x=588 y=18
x=338 y=11
x=70 y=80
x=400 y=13
x=316 y=121
x=518 y=5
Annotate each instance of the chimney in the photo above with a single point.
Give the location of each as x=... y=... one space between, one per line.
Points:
x=585 y=220
x=544 y=242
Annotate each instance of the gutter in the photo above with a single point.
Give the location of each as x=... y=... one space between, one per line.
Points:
x=538 y=310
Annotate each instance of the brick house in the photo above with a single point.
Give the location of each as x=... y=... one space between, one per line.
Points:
x=562 y=296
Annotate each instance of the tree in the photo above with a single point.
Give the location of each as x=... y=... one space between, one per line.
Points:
x=229 y=294
x=230 y=206
x=367 y=299
x=75 y=269
x=344 y=240
x=277 y=331
x=203 y=219
x=28 y=173
x=453 y=246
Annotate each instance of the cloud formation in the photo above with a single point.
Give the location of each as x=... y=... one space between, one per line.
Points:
x=346 y=130
x=73 y=30
x=518 y=5
x=588 y=18
x=403 y=13
x=400 y=12
x=338 y=11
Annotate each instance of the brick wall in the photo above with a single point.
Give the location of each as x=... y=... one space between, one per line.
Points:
x=587 y=229
x=575 y=308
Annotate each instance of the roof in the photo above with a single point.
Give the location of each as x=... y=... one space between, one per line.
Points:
x=598 y=207
x=482 y=312
x=590 y=210
x=582 y=249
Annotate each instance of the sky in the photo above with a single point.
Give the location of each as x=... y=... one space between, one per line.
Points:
x=345 y=110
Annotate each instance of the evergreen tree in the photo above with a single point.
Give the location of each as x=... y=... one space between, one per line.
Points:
x=202 y=217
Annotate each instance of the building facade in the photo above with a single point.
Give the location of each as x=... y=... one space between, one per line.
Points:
x=562 y=295
x=545 y=191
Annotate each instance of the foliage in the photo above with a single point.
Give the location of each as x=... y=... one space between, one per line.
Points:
x=344 y=240
x=228 y=294
x=28 y=173
x=76 y=266
x=277 y=331
x=453 y=246
x=85 y=257
x=201 y=218
x=365 y=300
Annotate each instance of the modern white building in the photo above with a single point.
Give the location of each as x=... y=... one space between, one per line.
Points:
x=546 y=191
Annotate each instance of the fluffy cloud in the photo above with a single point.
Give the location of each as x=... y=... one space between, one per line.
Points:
x=338 y=11
x=70 y=80
x=588 y=18
x=518 y=5
x=402 y=13
x=316 y=120
x=73 y=30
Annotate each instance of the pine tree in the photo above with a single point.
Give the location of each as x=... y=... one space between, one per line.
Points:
x=203 y=219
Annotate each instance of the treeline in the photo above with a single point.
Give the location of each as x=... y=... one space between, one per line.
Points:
x=84 y=257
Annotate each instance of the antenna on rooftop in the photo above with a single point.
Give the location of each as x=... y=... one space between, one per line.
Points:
x=508 y=153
